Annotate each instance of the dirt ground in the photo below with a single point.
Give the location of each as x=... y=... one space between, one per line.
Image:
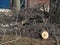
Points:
x=19 y=40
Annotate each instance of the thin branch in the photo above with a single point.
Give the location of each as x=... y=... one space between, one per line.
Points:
x=10 y=41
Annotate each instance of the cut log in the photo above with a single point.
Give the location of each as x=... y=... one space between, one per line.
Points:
x=45 y=34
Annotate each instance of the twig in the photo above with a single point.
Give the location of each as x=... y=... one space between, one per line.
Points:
x=10 y=41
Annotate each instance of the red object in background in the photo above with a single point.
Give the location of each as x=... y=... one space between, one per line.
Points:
x=11 y=4
x=32 y=3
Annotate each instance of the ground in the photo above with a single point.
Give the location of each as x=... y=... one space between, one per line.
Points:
x=20 y=40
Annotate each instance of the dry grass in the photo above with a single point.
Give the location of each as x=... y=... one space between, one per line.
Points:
x=25 y=41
